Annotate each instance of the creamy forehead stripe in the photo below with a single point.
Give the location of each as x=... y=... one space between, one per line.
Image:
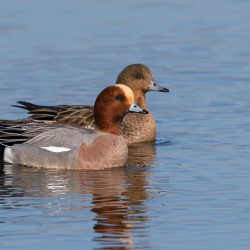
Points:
x=56 y=149
x=128 y=92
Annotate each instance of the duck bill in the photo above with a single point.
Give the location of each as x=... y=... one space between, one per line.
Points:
x=156 y=87
x=134 y=108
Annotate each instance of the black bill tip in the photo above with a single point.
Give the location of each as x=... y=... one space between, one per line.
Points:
x=164 y=90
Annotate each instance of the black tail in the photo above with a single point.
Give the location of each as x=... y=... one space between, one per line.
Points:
x=2 y=147
x=26 y=105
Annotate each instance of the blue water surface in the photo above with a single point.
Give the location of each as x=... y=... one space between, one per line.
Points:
x=189 y=190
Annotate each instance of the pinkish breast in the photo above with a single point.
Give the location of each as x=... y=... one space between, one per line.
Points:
x=106 y=151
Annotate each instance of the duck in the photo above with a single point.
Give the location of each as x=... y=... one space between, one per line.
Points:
x=135 y=128
x=68 y=147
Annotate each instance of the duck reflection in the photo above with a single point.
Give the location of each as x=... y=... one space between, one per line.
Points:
x=118 y=195
x=141 y=154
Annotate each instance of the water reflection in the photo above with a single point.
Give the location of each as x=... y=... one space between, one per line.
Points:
x=117 y=195
x=141 y=154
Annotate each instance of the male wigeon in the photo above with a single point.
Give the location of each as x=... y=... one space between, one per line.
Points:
x=67 y=147
x=135 y=128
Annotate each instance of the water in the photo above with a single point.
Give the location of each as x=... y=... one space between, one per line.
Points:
x=190 y=190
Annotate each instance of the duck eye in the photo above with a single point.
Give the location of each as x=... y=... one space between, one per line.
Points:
x=138 y=76
x=119 y=97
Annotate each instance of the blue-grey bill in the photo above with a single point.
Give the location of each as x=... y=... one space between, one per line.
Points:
x=134 y=108
x=156 y=87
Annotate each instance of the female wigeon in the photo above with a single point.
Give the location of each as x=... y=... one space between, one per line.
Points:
x=135 y=128
x=69 y=147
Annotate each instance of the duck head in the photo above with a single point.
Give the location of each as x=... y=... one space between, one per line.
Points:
x=139 y=78
x=111 y=105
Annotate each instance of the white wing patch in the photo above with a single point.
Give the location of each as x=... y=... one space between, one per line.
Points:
x=8 y=155
x=56 y=149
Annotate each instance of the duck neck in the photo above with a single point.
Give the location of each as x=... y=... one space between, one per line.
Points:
x=140 y=99
x=107 y=124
